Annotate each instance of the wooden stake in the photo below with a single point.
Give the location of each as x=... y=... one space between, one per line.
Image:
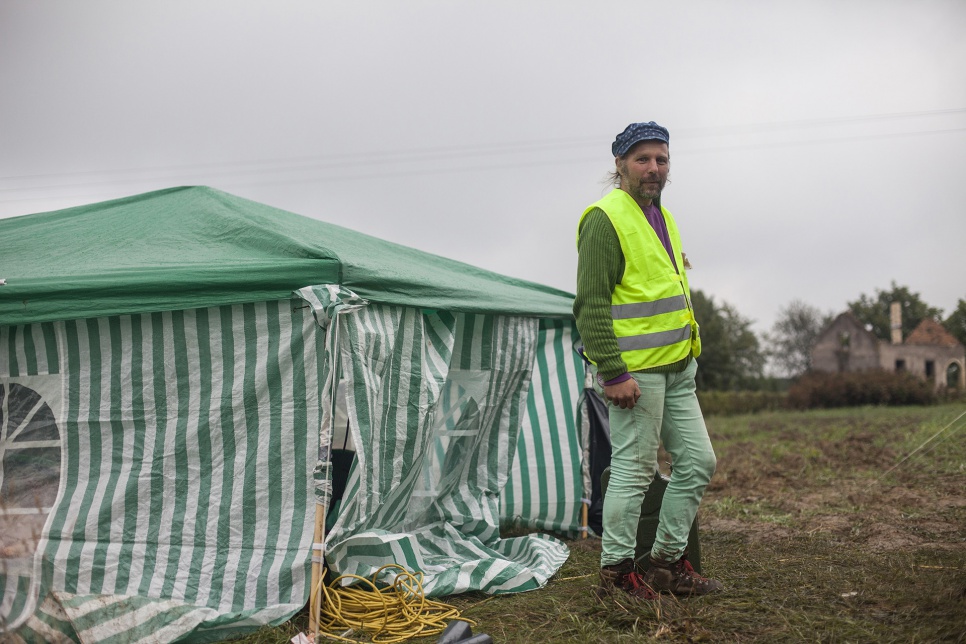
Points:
x=315 y=594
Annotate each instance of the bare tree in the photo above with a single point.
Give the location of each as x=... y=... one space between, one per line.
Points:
x=793 y=335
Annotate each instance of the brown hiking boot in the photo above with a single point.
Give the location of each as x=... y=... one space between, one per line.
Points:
x=623 y=578
x=678 y=578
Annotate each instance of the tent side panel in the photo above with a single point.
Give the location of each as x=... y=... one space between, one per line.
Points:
x=437 y=402
x=545 y=489
x=188 y=440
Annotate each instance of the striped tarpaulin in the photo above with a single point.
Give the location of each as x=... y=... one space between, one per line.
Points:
x=546 y=484
x=185 y=474
x=436 y=401
x=182 y=503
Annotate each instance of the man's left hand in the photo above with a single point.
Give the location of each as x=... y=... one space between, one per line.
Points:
x=623 y=394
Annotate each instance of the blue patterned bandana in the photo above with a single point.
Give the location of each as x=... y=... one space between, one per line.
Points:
x=637 y=132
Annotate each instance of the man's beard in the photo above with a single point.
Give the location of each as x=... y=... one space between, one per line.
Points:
x=637 y=189
x=645 y=192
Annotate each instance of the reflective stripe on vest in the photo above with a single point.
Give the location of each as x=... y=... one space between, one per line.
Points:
x=654 y=340
x=648 y=309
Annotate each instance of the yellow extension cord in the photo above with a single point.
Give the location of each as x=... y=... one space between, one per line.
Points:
x=391 y=614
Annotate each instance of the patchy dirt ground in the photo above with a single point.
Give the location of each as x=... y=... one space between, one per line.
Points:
x=849 y=477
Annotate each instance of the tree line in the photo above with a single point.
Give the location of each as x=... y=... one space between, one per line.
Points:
x=733 y=356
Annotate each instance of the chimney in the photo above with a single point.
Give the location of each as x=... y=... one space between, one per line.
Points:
x=895 y=318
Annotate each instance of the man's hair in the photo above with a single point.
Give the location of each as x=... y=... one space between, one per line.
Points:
x=613 y=178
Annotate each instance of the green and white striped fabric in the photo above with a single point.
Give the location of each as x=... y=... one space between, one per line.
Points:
x=48 y=624
x=327 y=302
x=435 y=402
x=175 y=472
x=546 y=485
x=185 y=478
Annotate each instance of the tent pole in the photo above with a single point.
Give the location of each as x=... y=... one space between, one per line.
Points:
x=318 y=554
x=584 y=523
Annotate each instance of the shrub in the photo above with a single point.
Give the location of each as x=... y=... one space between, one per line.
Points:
x=730 y=403
x=853 y=389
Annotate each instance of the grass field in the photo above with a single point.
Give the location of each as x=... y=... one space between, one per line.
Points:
x=820 y=524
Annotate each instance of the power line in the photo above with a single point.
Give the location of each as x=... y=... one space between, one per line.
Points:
x=334 y=159
x=838 y=139
x=455 y=168
x=821 y=122
x=462 y=151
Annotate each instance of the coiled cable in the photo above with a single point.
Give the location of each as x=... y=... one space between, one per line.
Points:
x=391 y=614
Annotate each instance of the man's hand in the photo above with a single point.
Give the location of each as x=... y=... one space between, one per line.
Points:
x=623 y=394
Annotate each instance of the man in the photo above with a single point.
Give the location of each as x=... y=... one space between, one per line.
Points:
x=633 y=312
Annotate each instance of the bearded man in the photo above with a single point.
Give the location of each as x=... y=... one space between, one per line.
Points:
x=634 y=315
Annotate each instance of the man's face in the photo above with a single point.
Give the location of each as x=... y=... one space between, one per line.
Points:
x=644 y=170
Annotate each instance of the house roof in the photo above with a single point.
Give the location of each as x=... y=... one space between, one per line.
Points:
x=194 y=247
x=932 y=333
x=848 y=318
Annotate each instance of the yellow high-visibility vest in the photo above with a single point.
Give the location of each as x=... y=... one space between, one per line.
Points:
x=651 y=306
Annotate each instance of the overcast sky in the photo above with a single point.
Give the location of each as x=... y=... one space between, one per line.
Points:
x=818 y=148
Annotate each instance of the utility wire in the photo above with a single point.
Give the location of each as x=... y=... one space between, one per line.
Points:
x=340 y=159
x=463 y=151
x=451 y=169
x=822 y=122
x=838 y=139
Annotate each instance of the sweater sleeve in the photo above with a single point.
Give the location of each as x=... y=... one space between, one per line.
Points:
x=600 y=265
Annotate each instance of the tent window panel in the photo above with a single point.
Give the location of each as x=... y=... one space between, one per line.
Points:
x=30 y=455
x=30 y=449
x=30 y=478
x=40 y=426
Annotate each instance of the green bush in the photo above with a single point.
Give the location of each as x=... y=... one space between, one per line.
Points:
x=730 y=403
x=853 y=389
x=952 y=395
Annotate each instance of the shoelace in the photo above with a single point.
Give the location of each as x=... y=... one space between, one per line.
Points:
x=690 y=572
x=634 y=584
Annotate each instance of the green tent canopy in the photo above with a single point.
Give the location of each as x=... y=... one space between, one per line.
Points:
x=195 y=246
x=173 y=369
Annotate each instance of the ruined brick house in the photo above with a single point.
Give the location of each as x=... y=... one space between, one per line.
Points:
x=930 y=351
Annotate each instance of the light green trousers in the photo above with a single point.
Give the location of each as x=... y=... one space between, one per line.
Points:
x=667 y=412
